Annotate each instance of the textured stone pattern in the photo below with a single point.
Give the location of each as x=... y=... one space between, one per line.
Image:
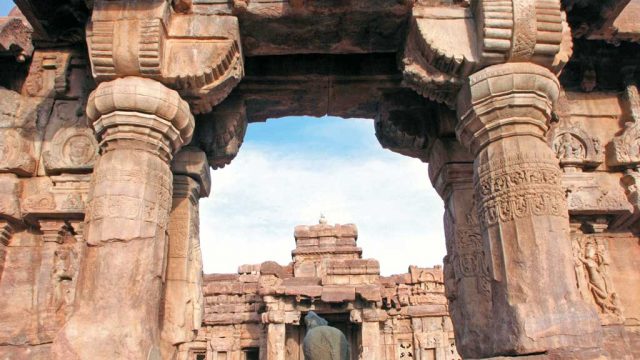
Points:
x=113 y=112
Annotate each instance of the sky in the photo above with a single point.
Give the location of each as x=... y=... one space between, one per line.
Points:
x=5 y=7
x=291 y=170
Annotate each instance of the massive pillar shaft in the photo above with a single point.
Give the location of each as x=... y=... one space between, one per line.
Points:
x=504 y=112
x=467 y=284
x=140 y=123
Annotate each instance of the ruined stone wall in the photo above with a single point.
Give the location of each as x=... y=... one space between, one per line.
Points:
x=260 y=309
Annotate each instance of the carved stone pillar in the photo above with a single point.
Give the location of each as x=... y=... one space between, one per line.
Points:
x=183 y=299
x=467 y=284
x=52 y=232
x=140 y=123
x=276 y=341
x=535 y=306
x=371 y=340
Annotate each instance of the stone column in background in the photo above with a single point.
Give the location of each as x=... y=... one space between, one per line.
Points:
x=504 y=112
x=276 y=341
x=140 y=124
x=183 y=300
x=467 y=284
x=371 y=340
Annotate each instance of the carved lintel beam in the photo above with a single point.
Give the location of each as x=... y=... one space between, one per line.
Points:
x=199 y=56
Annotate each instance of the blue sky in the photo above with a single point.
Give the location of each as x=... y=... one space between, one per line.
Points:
x=6 y=6
x=290 y=170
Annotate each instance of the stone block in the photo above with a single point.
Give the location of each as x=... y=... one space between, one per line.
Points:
x=336 y=294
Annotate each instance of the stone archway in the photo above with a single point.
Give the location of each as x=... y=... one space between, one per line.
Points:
x=471 y=87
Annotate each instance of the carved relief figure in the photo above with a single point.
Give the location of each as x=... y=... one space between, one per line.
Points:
x=63 y=273
x=595 y=268
x=79 y=150
x=568 y=147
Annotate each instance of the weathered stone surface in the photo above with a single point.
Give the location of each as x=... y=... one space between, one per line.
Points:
x=542 y=211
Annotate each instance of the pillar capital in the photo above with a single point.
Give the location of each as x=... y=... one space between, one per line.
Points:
x=505 y=100
x=139 y=113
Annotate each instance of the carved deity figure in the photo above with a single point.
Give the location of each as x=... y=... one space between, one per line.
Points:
x=63 y=272
x=594 y=265
x=79 y=150
x=568 y=147
x=322 y=341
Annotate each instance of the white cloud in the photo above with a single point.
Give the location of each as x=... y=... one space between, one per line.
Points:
x=258 y=199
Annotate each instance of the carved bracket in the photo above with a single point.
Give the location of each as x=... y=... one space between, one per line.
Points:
x=197 y=55
x=220 y=134
x=625 y=148
x=446 y=45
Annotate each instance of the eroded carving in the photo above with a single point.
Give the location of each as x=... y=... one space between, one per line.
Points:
x=72 y=149
x=575 y=148
x=592 y=274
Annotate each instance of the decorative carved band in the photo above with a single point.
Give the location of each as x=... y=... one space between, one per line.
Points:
x=522 y=30
x=517 y=187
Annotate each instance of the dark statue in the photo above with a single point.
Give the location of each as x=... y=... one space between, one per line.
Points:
x=322 y=341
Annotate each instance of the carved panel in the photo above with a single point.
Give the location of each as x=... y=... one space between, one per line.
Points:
x=574 y=147
x=17 y=151
x=517 y=187
x=591 y=263
x=625 y=148
x=72 y=149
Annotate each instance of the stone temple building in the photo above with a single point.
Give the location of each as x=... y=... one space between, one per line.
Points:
x=257 y=313
x=114 y=112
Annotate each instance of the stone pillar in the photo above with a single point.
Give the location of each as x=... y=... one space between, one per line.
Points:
x=504 y=112
x=52 y=232
x=140 y=123
x=183 y=300
x=371 y=340
x=467 y=284
x=276 y=341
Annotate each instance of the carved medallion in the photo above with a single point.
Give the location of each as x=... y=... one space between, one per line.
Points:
x=72 y=150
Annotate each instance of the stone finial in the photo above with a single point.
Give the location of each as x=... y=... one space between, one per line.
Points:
x=322 y=220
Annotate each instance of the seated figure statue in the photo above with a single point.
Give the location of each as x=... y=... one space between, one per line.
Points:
x=322 y=341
